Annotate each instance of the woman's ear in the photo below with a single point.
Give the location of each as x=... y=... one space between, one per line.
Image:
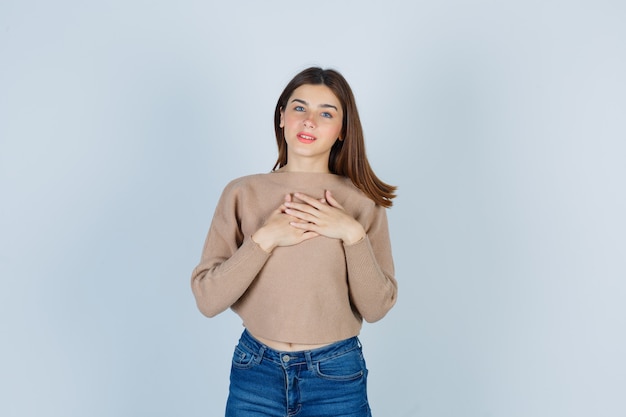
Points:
x=282 y=117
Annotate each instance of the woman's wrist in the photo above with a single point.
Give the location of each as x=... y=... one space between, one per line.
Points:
x=260 y=239
x=354 y=235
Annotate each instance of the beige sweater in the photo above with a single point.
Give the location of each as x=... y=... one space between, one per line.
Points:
x=318 y=291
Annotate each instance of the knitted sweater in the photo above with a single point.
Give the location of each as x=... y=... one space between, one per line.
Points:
x=318 y=291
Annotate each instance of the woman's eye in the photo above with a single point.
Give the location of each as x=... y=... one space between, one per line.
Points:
x=327 y=115
x=298 y=108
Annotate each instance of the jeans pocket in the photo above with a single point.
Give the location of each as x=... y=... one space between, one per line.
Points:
x=345 y=367
x=242 y=358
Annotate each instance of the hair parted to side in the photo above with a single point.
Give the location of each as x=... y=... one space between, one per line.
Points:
x=347 y=157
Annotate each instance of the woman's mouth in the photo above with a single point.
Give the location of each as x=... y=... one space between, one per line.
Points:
x=304 y=138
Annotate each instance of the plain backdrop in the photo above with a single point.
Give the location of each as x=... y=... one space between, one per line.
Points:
x=502 y=122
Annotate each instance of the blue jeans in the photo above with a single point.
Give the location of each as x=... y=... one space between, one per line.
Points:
x=325 y=382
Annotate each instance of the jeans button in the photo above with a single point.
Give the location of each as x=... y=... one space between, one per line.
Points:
x=286 y=358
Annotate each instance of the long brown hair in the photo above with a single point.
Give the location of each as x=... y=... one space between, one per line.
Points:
x=347 y=156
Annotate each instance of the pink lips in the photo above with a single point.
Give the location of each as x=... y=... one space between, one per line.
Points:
x=305 y=138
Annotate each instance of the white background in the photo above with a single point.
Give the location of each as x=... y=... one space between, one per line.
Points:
x=502 y=122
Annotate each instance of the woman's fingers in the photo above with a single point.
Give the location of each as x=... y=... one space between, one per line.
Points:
x=308 y=201
x=310 y=209
x=331 y=200
x=307 y=210
x=325 y=217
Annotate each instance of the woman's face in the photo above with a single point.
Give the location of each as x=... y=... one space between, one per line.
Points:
x=312 y=122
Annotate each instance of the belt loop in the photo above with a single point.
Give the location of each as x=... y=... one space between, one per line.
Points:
x=259 y=357
x=309 y=361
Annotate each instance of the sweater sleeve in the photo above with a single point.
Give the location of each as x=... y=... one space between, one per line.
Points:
x=230 y=261
x=373 y=288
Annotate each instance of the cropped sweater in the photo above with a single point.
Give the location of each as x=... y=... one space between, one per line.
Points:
x=318 y=291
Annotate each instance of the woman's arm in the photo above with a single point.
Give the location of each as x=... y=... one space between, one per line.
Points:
x=373 y=288
x=231 y=261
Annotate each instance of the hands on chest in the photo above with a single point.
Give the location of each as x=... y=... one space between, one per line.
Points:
x=301 y=217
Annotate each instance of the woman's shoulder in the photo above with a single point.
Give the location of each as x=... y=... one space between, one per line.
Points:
x=240 y=188
x=247 y=181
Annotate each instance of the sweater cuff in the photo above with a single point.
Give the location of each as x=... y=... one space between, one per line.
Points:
x=253 y=251
x=362 y=241
x=360 y=254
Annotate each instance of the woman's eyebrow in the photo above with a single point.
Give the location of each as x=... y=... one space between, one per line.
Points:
x=300 y=101
x=321 y=105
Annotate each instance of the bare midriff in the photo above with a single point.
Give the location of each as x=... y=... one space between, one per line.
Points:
x=287 y=347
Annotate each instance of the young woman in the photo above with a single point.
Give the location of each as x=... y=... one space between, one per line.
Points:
x=302 y=255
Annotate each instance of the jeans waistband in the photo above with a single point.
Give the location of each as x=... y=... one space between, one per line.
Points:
x=301 y=356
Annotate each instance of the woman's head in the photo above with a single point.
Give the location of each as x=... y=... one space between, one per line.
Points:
x=351 y=132
x=347 y=156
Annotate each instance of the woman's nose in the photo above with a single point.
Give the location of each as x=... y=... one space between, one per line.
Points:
x=309 y=123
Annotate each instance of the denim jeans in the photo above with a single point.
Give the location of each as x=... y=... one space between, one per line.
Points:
x=325 y=382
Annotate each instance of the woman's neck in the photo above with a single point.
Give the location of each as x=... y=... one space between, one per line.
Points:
x=304 y=167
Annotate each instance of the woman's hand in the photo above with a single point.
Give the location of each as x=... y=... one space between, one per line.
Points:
x=324 y=217
x=278 y=231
